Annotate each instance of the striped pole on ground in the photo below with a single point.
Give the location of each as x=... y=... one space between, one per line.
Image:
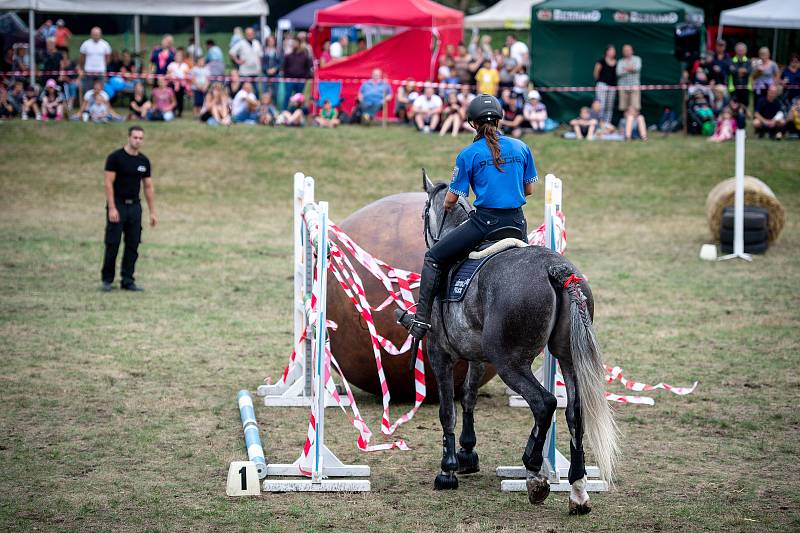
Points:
x=251 y=438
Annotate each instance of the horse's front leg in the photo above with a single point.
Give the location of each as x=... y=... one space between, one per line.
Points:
x=467 y=457
x=442 y=365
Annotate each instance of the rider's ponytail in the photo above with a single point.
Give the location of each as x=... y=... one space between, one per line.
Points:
x=488 y=130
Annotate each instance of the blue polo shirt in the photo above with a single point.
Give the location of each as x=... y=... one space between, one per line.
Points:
x=494 y=189
x=373 y=93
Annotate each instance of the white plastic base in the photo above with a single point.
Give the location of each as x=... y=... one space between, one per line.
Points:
x=326 y=485
x=559 y=482
x=292 y=396
x=332 y=467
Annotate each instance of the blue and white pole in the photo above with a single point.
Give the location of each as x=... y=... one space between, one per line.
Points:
x=251 y=438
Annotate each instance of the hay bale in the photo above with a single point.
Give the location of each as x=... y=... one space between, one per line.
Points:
x=756 y=192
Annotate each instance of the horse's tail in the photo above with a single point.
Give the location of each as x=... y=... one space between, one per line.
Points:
x=598 y=420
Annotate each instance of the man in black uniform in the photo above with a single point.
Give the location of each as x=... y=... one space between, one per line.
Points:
x=126 y=168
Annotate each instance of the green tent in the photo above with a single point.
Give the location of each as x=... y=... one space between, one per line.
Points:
x=569 y=36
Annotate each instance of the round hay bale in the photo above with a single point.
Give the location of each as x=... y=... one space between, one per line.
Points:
x=756 y=192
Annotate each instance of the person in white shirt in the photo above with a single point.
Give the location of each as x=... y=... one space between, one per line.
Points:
x=95 y=54
x=245 y=105
x=247 y=54
x=427 y=110
x=518 y=51
x=339 y=48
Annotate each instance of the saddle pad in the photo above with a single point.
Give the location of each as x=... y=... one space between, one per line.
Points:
x=462 y=274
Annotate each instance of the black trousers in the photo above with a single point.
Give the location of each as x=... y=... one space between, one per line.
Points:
x=129 y=225
x=461 y=241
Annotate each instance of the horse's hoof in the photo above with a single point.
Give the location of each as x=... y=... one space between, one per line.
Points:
x=467 y=461
x=445 y=481
x=579 y=508
x=538 y=489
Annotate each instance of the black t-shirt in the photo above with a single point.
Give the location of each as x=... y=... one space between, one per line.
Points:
x=608 y=74
x=768 y=109
x=130 y=171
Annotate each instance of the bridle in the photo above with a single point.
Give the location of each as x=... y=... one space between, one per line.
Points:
x=429 y=236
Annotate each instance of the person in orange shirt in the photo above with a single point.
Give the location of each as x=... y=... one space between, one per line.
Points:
x=488 y=79
x=62 y=36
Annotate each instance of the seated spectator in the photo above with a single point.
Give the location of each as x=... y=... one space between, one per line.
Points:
x=790 y=79
x=234 y=84
x=596 y=113
x=30 y=104
x=452 y=117
x=328 y=116
x=88 y=99
x=535 y=111
x=164 y=102
x=178 y=74
x=465 y=95
x=739 y=112
x=487 y=79
x=584 y=126
x=139 y=105
x=507 y=67
x=200 y=81
x=793 y=124
x=769 y=118
x=217 y=106
x=52 y=101
x=404 y=101
x=513 y=112
x=427 y=110
x=100 y=111
x=447 y=75
x=245 y=105
x=7 y=110
x=726 y=127
x=633 y=124
x=17 y=95
x=373 y=95
x=267 y=112
x=719 y=99
x=521 y=81
x=295 y=113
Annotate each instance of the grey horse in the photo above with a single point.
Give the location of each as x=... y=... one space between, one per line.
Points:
x=521 y=301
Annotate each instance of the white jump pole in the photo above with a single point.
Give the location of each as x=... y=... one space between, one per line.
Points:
x=137 y=39
x=32 y=46
x=295 y=391
x=555 y=465
x=324 y=464
x=738 y=209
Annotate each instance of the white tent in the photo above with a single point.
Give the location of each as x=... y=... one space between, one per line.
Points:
x=510 y=14
x=774 y=14
x=161 y=8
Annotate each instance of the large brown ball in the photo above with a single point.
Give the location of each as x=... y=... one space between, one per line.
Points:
x=391 y=230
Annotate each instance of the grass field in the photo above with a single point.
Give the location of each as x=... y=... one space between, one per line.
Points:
x=118 y=410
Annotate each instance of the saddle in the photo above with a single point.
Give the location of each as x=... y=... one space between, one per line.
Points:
x=462 y=273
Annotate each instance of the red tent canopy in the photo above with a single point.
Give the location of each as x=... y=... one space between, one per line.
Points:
x=425 y=30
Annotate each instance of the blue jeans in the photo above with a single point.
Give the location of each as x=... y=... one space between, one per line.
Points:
x=246 y=116
x=290 y=88
x=371 y=108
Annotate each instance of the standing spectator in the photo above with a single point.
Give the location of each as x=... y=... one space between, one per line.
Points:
x=325 y=56
x=21 y=59
x=139 y=106
x=427 y=110
x=7 y=109
x=178 y=74
x=302 y=42
x=236 y=36
x=484 y=42
x=790 y=79
x=518 y=51
x=720 y=64
x=200 y=82
x=452 y=115
x=487 y=79
x=328 y=116
x=535 y=111
x=162 y=56
x=446 y=74
x=247 y=53
x=719 y=99
x=62 y=37
x=461 y=61
x=521 y=81
x=297 y=64
x=404 y=100
x=339 y=48
x=245 y=105
x=95 y=53
x=164 y=102
x=193 y=51
x=267 y=112
x=584 y=126
x=513 y=116
x=68 y=80
x=215 y=59
x=8 y=61
x=52 y=101
x=769 y=118
x=373 y=95
x=605 y=74
x=51 y=60
x=739 y=82
x=765 y=73
x=629 y=69
x=47 y=30
x=125 y=171
x=271 y=62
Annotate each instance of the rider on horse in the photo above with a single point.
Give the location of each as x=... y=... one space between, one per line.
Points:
x=501 y=173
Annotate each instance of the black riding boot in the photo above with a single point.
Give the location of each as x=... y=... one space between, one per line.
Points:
x=418 y=323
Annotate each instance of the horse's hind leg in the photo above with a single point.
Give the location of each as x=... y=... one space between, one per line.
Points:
x=442 y=365
x=467 y=457
x=542 y=405
x=578 y=497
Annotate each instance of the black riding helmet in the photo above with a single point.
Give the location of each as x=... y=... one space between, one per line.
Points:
x=484 y=108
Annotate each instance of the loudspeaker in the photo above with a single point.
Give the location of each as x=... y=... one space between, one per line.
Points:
x=687 y=42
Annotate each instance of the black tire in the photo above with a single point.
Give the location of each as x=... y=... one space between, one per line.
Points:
x=755 y=248
x=750 y=236
x=754 y=218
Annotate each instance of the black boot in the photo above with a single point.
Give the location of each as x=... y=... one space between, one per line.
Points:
x=418 y=323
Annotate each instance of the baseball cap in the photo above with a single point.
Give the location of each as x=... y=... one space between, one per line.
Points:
x=50 y=83
x=60 y=22
x=298 y=97
x=534 y=94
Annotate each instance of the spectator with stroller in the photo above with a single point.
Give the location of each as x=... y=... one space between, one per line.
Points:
x=427 y=110
x=373 y=95
x=629 y=69
x=605 y=74
x=769 y=118
x=328 y=116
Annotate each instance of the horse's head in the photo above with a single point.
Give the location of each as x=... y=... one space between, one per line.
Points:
x=437 y=221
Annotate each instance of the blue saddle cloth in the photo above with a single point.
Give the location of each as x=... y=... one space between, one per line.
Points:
x=462 y=274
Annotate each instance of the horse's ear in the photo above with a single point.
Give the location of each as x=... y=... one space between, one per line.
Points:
x=427 y=184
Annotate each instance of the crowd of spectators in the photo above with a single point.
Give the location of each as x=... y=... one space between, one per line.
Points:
x=264 y=72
